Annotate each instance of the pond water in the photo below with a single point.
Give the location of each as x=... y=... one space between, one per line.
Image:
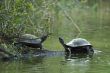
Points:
x=56 y=62
x=98 y=35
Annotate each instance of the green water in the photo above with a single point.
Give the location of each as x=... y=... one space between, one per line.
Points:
x=95 y=27
x=100 y=63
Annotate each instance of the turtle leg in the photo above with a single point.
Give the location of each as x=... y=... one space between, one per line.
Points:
x=37 y=49
x=41 y=47
x=90 y=51
x=68 y=50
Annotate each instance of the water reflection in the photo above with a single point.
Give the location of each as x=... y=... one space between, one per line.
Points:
x=76 y=64
x=58 y=62
x=77 y=56
x=79 y=63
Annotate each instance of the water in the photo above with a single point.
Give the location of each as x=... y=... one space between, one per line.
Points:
x=97 y=32
x=57 y=63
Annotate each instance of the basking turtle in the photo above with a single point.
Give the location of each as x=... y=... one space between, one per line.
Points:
x=31 y=40
x=78 y=45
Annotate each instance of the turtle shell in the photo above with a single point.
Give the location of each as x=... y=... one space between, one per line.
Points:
x=78 y=42
x=28 y=38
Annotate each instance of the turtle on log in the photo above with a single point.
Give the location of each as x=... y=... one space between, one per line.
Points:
x=32 y=41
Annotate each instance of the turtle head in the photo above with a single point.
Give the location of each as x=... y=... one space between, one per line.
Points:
x=44 y=37
x=66 y=47
x=62 y=42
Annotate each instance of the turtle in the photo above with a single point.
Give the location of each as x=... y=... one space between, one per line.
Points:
x=32 y=41
x=77 y=46
x=29 y=40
